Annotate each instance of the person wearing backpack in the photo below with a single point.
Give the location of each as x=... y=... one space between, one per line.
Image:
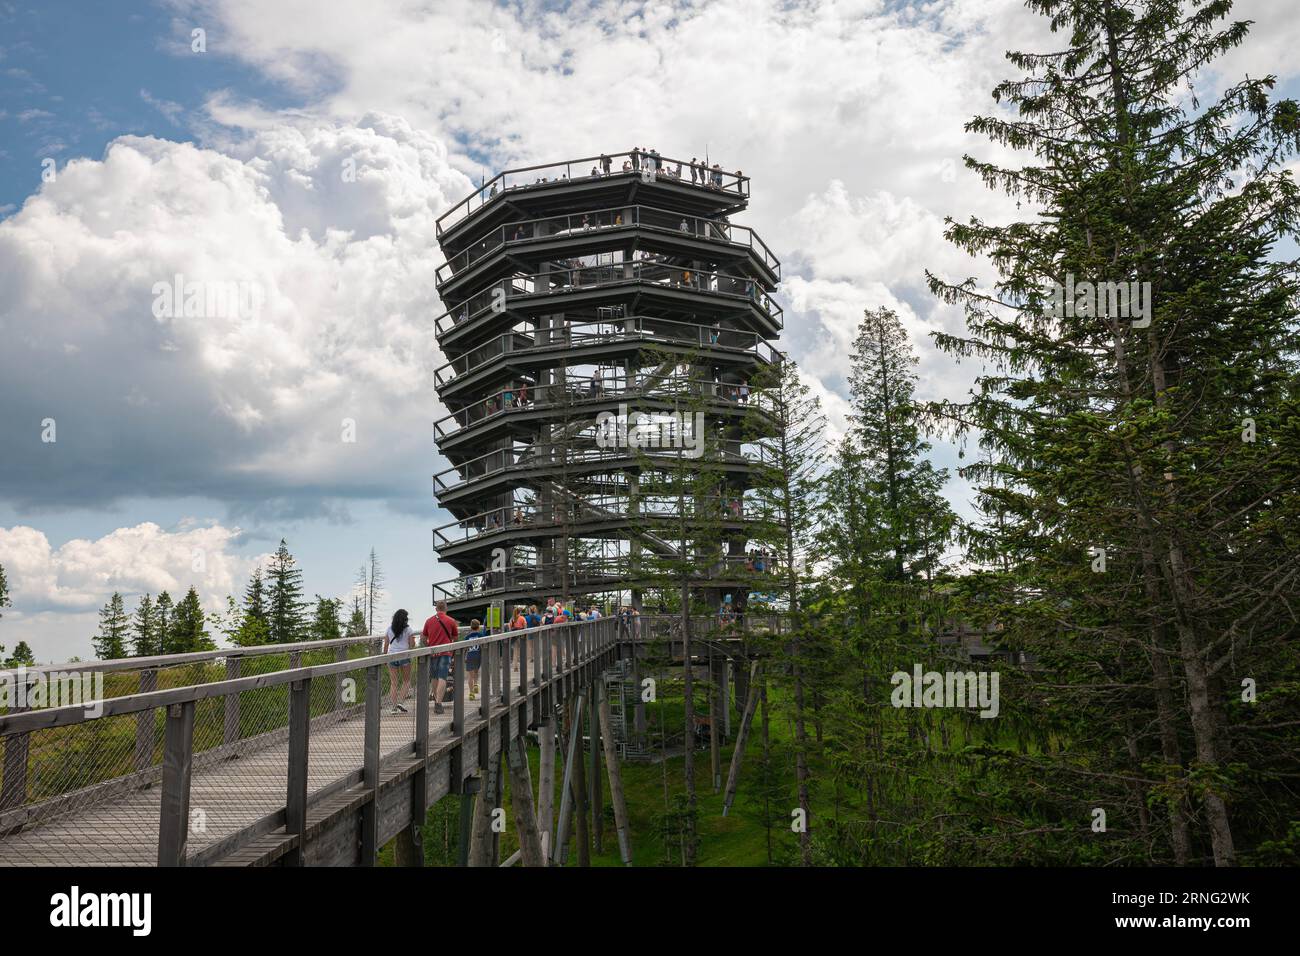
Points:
x=439 y=630
x=474 y=657
x=399 y=637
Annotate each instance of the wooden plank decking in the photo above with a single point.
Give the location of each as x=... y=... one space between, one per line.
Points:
x=226 y=797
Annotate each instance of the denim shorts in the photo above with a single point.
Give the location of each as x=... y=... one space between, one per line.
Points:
x=441 y=667
x=402 y=663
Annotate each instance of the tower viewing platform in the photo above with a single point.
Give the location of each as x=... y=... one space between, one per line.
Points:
x=605 y=321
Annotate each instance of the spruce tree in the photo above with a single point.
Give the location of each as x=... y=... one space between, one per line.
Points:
x=110 y=642
x=286 y=610
x=1138 y=412
x=786 y=422
x=326 y=625
x=357 y=626
x=187 y=631
x=22 y=656
x=145 y=635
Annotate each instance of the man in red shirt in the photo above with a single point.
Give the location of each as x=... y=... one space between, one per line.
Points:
x=440 y=629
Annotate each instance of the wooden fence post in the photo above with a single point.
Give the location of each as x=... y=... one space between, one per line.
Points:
x=178 y=764
x=295 y=804
x=370 y=774
x=621 y=822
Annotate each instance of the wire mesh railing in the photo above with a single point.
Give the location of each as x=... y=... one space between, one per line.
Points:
x=187 y=769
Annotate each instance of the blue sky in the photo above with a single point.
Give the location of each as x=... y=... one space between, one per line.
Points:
x=223 y=436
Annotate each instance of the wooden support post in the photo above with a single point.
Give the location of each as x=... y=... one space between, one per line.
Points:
x=178 y=764
x=639 y=725
x=560 y=847
x=466 y=819
x=408 y=848
x=144 y=723
x=480 y=840
x=621 y=823
x=506 y=680
x=546 y=776
x=295 y=802
x=715 y=743
x=370 y=774
x=521 y=801
x=498 y=767
x=581 y=830
x=420 y=779
x=593 y=732
x=738 y=754
x=230 y=703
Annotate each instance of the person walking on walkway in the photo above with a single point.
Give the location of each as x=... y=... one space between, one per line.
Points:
x=399 y=638
x=473 y=657
x=439 y=630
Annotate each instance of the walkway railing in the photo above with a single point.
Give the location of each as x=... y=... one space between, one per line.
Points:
x=640 y=328
x=600 y=221
x=506 y=459
x=73 y=762
x=548 y=174
x=591 y=578
x=588 y=390
x=497 y=299
x=532 y=516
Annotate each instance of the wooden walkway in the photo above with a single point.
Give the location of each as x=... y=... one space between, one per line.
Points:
x=226 y=797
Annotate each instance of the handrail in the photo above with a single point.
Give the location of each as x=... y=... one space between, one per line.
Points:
x=493 y=298
x=607 y=331
x=506 y=401
x=509 y=180
x=29 y=720
x=525 y=231
x=571 y=458
x=544 y=516
x=189 y=657
x=530 y=575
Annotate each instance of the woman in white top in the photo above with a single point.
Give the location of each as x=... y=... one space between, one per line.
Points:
x=400 y=637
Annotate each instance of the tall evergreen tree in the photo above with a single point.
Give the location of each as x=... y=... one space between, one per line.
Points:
x=21 y=657
x=357 y=626
x=325 y=625
x=1139 y=412
x=187 y=631
x=145 y=635
x=286 y=610
x=164 y=609
x=114 y=625
x=255 y=597
x=786 y=498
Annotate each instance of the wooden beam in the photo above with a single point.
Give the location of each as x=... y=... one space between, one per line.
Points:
x=593 y=732
x=546 y=777
x=370 y=769
x=621 y=823
x=581 y=831
x=738 y=754
x=174 y=809
x=521 y=802
x=295 y=802
x=715 y=744
x=560 y=847
x=480 y=840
